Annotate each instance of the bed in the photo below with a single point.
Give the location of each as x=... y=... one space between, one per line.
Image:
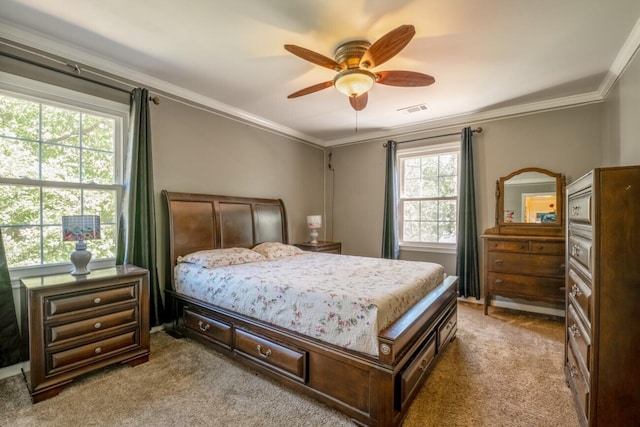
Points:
x=370 y=376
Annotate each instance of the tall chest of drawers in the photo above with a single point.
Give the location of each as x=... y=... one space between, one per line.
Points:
x=602 y=345
x=77 y=324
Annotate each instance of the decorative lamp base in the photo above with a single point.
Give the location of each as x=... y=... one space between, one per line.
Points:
x=314 y=235
x=80 y=259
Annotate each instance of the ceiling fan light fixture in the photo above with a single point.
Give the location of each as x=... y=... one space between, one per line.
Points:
x=354 y=82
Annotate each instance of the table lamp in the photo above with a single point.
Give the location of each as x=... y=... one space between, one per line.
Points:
x=78 y=228
x=314 y=222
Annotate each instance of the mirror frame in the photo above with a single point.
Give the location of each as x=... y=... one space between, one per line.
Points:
x=552 y=228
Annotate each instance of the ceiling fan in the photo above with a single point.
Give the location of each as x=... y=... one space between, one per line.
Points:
x=353 y=62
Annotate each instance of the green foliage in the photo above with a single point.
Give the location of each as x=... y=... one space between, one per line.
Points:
x=52 y=147
x=433 y=180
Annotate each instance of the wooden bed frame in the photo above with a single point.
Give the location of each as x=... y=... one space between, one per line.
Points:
x=372 y=391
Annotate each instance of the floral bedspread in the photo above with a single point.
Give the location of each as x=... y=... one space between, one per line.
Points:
x=344 y=300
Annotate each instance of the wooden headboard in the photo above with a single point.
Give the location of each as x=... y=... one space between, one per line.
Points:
x=200 y=221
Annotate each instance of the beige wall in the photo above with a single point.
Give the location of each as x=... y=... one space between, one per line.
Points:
x=197 y=151
x=566 y=141
x=621 y=123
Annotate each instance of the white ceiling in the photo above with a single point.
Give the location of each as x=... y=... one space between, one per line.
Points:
x=490 y=58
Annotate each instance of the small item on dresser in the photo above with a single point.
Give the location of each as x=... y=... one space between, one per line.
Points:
x=78 y=228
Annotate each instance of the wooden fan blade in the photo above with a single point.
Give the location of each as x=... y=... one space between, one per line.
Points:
x=387 y=46
x=314 y=57
x=359 y=102
x=311 y=89
x=404 y=78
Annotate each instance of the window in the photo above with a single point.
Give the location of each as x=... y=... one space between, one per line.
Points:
x=61 y=155
x=428 y=201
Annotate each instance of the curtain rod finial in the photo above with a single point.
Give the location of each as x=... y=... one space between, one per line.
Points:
x=155 y=99
x=478 y=129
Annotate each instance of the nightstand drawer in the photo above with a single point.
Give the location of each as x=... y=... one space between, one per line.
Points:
x=60 y=333
x=68 y=303
x=326 y=247
x=90 y=352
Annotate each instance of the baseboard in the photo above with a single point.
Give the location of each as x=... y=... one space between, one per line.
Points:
x=9 y=371
x=550 y=311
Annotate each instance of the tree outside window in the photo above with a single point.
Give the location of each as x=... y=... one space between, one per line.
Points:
x=428 y=179
x=56 y=160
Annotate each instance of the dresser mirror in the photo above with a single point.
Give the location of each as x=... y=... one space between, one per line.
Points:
x=529 y=198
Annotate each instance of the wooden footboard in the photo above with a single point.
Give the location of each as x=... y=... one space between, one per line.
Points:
x=373 y=392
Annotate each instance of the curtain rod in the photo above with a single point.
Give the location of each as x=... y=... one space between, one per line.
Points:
x=76 y=74
x=476 y=130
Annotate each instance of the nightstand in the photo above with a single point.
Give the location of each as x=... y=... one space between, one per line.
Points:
x=78 y=324
x=327 y=247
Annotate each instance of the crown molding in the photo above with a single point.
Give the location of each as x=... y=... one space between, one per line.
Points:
x=472 y=117
x=624 y=57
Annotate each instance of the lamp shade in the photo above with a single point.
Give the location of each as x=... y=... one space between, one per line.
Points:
x=314 y=221
x=354 y=82
x=80 y=227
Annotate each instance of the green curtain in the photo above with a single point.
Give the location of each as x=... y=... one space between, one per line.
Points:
x=467 y=248
x=390 y=246
x=137 y=228
x=9 y=332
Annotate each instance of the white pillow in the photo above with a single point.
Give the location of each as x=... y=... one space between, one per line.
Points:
x=275 y=250
x=212 y=258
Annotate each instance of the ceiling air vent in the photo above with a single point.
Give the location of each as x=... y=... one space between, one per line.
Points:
x=413 y=109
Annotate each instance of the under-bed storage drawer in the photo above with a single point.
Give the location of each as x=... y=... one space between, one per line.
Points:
x=213 y=330
x=284 y=360
x=415 y=371
x=447 y=328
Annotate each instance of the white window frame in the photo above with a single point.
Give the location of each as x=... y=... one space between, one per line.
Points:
x=426 y=150
x=20 y=87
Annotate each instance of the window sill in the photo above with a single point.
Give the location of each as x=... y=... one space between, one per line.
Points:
x=416 y=247
x=19 y=272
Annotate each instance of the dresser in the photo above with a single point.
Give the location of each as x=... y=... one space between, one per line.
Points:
x=526 y=267
x=602 y=345
x=78 y=324
x=524 y=253
x=328 y=247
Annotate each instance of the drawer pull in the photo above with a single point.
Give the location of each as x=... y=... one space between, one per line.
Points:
x=575 y=210
x=97 y=325
x=575 y=291
x=575 y=250
x=265 y=354
x=498 y=282
x=499 y=261
x=423 y=364
x=573 y=330
x=98 y=350
x=97 y=300
x=204 y=327
x=562 y=267
x=574 y=371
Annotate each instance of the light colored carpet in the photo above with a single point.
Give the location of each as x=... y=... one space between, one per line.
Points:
x=504 y=369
